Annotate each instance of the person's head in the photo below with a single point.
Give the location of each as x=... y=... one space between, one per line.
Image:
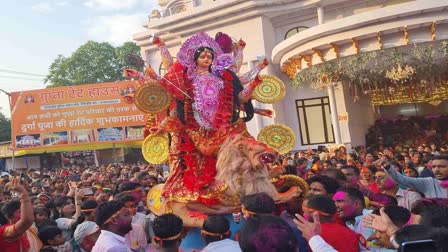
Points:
x=5 y=177
x=11 y=210
x=267 y=233
x=203 y=57
x=36 y=188
x=335 y=174
x=310 y=173
x=88 y=210
x=114 y=217
x=399 y=217
x=135 y=170
x=35 y=201
x=41 y=214
x=86 y=235
x=134 y=189
x=367 y=173
x=51 y=235
x=322 y=185
x=58 y=183
x=424 y=205
x=420 y=232
x=416 y=158
x=435 y=217
x=351 y=174
x=258 y=203
x=128 y=201
x=383 y=181
x=322 y=204
x=44 y=198
x=440 y=167
x=370 y=158
x=143 y=178
x=167 y=231
x=349 y=203
x=410 y=172
x=67 y=209
x=215 y=228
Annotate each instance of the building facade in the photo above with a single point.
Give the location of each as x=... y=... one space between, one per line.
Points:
x=298 y=34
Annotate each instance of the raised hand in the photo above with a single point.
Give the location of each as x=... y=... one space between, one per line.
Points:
x=263 y=63
x=16 y=186
x=381 y=223
x=309 y=229
x=240 y=44
x=158 y=41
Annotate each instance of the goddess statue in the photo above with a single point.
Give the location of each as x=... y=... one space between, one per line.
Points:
x=207 y=127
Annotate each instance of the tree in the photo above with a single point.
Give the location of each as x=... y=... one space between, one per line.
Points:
x=93 y=62
x=5 y=128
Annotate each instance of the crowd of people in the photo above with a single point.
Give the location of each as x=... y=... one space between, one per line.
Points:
x=356 y=201
x=360 y=199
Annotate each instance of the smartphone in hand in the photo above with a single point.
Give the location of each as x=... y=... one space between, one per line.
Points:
x=86 y=191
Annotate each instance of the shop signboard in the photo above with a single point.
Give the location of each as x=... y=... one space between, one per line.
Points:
x=76 y=115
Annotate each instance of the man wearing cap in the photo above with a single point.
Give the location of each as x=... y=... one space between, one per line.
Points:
x=4 y=177
x=86 y=235
x=115 y=222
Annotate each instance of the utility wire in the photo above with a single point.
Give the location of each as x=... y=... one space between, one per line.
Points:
x=22 y=73
x=20 y=78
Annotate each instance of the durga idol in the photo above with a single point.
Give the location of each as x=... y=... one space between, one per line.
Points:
x=207 y=123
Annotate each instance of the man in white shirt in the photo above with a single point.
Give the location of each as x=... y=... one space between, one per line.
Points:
x=136 y=238
x=115 y=222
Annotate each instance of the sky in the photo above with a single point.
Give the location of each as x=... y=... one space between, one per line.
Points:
x=34 y=32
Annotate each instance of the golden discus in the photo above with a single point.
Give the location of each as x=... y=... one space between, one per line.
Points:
x=152 y=98
x=270 y=90
x=155 y=148
x=277 y=136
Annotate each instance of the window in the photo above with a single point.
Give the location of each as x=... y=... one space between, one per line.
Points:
x=315 y=121
x=294 y=31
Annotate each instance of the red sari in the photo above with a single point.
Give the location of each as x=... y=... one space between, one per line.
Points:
x=20 y=244
x=194 y=149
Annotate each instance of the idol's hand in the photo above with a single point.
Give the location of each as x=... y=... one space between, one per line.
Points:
x=263 y=63
x=150 y=73
x=240 y=45
x=158 y=41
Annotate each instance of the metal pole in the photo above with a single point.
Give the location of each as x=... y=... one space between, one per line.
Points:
x=10 y=111
x=114 y=155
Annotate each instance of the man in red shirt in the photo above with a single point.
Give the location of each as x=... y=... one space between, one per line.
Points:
x=338 y=236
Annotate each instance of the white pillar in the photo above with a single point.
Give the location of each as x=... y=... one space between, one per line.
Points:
x=320 y=14
x=334 y=114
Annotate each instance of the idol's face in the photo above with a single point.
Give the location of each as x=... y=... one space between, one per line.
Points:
x=205 y=59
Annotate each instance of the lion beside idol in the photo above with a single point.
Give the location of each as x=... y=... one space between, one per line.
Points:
x=197 y=122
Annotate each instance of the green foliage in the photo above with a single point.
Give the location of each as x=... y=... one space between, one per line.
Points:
x=5 y=128
x=93 y=62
